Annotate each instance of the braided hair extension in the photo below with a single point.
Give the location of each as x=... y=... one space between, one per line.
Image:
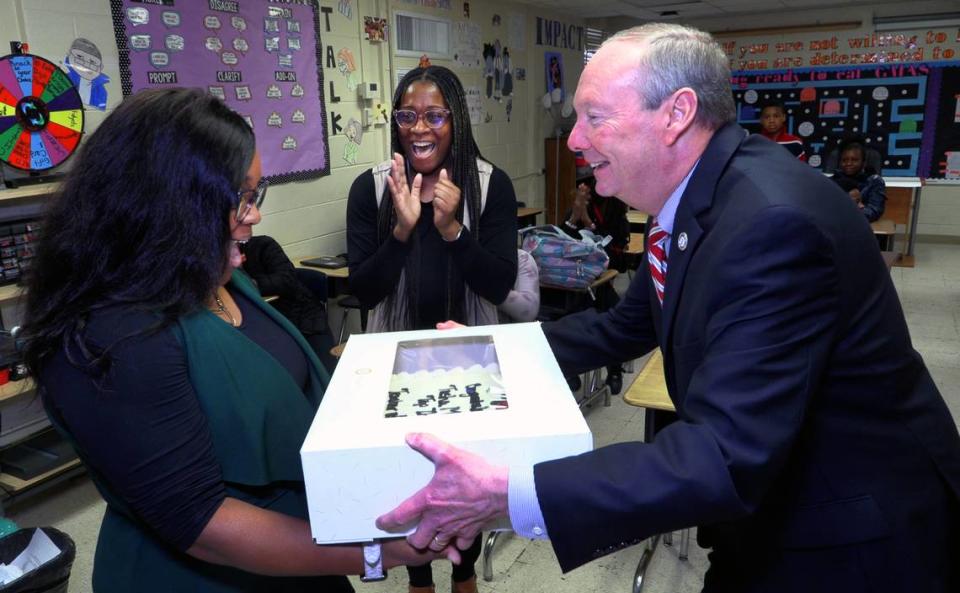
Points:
x=461 y=165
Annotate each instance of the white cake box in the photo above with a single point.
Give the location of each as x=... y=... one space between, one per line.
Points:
x=510 y=405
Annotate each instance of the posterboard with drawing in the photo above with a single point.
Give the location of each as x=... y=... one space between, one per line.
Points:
x=260 y=56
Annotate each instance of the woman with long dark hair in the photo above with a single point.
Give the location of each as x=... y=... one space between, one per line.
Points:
x=432 y=233
x=151 y=355
x=438 y=241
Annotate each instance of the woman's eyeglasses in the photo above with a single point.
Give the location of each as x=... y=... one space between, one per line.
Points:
x=248 y=198
x=434 y=118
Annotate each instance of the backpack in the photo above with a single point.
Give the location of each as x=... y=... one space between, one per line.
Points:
x=565 y=262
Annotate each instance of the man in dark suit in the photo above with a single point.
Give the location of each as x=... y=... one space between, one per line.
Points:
x=812 y=448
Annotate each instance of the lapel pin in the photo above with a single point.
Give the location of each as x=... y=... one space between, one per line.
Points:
x=682 y=241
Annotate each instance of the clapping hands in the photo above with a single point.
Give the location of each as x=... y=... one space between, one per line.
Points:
x=406 y=198
x=407 y=203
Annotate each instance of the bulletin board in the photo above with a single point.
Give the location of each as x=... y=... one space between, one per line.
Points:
x=262 y=57
x=887 y=105
x=944 y=109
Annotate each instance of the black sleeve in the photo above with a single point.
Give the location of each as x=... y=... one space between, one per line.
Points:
x=374 y=270
x=573 y=231
x=489 y=266
x=141 y=427
x=615 y=223
x=274 y=272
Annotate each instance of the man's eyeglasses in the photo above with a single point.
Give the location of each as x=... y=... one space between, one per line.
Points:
x=434 y=118
x=248 y=198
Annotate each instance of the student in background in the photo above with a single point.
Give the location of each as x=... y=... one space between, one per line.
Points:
x=603 y=216
x=864 y=185
x=831 y=163
x=773 y=119
x=523 y=300
x=275 y=275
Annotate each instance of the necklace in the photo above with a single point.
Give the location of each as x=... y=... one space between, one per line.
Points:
x=222 y=310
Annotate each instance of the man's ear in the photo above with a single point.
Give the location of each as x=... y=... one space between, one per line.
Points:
x=683 y=106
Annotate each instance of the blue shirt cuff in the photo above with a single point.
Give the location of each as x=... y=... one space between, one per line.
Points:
x=525 y=515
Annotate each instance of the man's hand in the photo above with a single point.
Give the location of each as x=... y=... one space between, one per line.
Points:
x=399 y=552
x=465 y=494
x=450 y=325
x=406 y=201
x=446 y=200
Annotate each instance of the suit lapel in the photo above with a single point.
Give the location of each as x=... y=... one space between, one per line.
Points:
x=687 y=232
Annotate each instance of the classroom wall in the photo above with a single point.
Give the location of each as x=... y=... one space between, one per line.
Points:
x=308 y=218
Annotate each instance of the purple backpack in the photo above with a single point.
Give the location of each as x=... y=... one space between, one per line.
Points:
x=565 y=262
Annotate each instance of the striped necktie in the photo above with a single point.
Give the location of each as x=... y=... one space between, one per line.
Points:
x=657 y=257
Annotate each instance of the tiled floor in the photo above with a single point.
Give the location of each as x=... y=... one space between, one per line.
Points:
x=930 y=294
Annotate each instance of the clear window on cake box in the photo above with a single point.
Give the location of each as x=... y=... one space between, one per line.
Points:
x=445 y=376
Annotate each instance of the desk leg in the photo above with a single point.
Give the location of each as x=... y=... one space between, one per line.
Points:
x=913 y=223
x=645 y=558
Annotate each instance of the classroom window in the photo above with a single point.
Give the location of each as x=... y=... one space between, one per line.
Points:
x=418 y=34
x=594 y=37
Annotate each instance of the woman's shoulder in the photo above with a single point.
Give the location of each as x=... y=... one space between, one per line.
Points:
x=106 y=326
x=362 y=190
x=364 y=179
x=495 y=171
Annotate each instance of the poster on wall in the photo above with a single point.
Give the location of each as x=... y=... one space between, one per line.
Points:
x=553 y=60
x=467 y=45
x=262 y=57
x=84 y=65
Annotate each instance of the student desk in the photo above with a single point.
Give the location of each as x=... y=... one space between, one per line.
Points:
x=649 y=391
x=527 y=216
x=633 y=251
x=903 y=207
x=637 y=220
x=885 y=230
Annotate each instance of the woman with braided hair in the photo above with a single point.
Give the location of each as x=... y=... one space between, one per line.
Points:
x=432 y=233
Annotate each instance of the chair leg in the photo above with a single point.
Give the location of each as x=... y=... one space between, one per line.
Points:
x=487 y=553
x=684 y=543
x=343 y=324
x=668 y=538
x=644 y=563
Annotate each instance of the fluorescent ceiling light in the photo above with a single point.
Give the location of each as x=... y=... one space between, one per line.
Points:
x=922 y=21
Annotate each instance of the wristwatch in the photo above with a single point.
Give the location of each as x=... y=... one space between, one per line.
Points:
x=372 y=564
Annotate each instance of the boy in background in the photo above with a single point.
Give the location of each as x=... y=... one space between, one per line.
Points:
x=773 y=119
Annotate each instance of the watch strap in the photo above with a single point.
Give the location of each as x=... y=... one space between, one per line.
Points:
x=373 y=563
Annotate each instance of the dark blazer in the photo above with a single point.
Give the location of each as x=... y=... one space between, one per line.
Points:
x=813 y=450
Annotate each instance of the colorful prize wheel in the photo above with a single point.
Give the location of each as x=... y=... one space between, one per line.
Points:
x=41 y=114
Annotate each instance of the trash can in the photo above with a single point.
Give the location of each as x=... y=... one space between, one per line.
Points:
x=51 y=576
